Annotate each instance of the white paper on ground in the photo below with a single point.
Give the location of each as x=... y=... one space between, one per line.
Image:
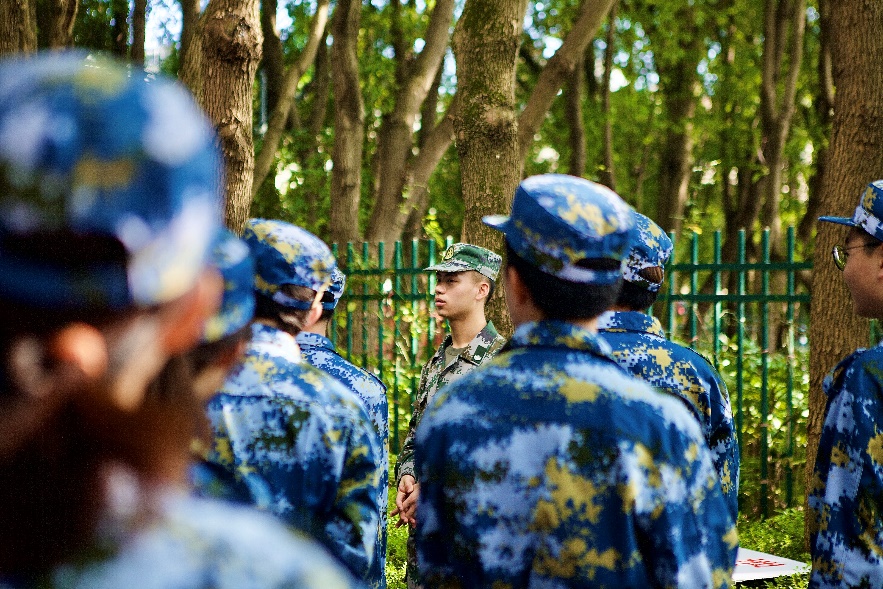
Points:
x=752 y=565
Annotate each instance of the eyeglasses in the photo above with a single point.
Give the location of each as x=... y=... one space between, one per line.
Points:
x=841 y=253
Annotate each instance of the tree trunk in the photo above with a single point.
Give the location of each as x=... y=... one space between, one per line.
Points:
x=392 y=204
x=607 y=177
x=485 y=46
x=120 y=25
x=55 y=23
x=18 y=27
x=284 y=101
x=273 y=59
x=139 y=26
x=678 y=82
x=574 y=92
x=349 y=123
x=856 y=158
x=226 y=51
x=189 y=25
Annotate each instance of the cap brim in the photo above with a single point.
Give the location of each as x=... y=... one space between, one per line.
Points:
x=498 y=222
x=449 y=267
x=840 y=221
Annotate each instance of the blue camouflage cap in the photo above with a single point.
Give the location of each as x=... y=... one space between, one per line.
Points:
x=868 y=214
x=461 y=257
x=335 y=289
x=92 y=149
x=233 y=259
x=287 y=254
x=558 y=221
x=651 y=248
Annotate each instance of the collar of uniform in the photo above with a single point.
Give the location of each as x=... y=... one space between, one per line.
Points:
x=281 y=342
x=477 y=348
x=314 y=340
x=560 y=334
x=630 y=321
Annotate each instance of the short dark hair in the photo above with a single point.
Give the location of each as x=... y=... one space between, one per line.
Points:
x=290 y=320
x=636 y=297
x=562 y=299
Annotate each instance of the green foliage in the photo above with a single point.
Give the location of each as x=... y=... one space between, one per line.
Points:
x=396 y=546
x=781 y=535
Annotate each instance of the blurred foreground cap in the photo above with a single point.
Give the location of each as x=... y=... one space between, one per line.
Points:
x=233 y=260
x=109 y=184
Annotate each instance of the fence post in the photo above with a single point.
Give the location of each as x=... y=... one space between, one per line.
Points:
x=764 y=374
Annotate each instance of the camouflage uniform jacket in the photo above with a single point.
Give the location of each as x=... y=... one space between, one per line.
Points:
x=553 y=467
x=434 y=376
x=301 y=445
x=319 y=351
x=846 y=494
x=640 y=346
x=195 y=544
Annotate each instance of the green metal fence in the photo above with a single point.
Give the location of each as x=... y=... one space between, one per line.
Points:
x=749 y=317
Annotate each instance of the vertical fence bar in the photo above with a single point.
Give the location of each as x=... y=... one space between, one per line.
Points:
x=716 y=319
x=366 y=259
x=430 y=307
x=740 y=337
x=381 y=317
x=350 y=262
x=764 y=375
x=396 y=329
x=789 y=385
x=670 y=332
x=694 y=289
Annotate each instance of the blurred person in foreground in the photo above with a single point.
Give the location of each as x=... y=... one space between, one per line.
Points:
x=551 y=466
x=292 y=439
x=846 y=491
x=640 y=346
x=318 y=350
x=109 y=198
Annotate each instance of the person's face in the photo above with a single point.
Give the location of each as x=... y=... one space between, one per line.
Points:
x=863 y=275
x=456 y=294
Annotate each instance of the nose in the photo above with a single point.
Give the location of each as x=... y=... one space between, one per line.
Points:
x=439 y=288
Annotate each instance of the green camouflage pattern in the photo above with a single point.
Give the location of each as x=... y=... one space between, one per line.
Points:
x=461 y=257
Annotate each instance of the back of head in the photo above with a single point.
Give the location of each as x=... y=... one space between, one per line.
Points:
x=109 y=197
x=293 y=270
x=567 y=238
x=644 y=269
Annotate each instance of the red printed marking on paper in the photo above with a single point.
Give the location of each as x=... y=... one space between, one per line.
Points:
x=759 y=563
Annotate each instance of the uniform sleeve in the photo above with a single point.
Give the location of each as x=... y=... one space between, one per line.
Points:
x=846 y=498
x=723 y=443
x=353 y=525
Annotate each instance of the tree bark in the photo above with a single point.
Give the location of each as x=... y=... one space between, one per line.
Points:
x=120 y=26
x=608 y=173
x=285 y=100
x=856 y=158
x=55 y=23
x=392 y=202
x=189 y=25
x=558 y=70
x=273 y=58
x=139 y=26
x=574 y=92
x=223 y=61
x=485 y=46
x=349 y=123
x=18 y=27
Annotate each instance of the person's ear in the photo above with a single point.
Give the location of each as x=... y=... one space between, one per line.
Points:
x=516 y=288
x=483 y=290
x=184 y=320
x=314 y=313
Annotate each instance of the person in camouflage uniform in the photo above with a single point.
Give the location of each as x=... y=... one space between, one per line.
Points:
x=294 y=439
x=846 y=491
x=551 y=466
x=110 y=198
x=640 y=346
x=465 y=280
x=319 y=351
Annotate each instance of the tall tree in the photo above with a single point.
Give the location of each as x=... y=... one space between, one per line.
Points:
x=18 y=26
x=221 y=64
x=856 y=158
x=55 y=22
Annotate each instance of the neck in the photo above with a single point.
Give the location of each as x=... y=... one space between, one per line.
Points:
x=464 y=330
x=319 y=328
x=587 y=324
x=623 y=309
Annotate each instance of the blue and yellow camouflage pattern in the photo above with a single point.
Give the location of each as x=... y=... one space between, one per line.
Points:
x=846 y=491
x=868 y=214
x=287 y=254
x=231 y=257
x=558 y=220
x=299 y=445
x=195 y=544
x=90 y=147
x=651 y=248
x=639 y=345
x=552 y=467
x=318 y=351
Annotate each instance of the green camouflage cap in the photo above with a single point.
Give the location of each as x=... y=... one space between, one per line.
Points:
x=465 y=256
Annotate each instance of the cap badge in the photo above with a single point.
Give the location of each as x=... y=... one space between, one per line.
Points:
x=449 y=253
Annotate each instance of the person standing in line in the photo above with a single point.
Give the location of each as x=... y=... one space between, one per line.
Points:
x=640 y=346
x=465 y=281
x=295 y=440
x=846 y=492
x=109 y=198
x=319 y=351
x=551 y=466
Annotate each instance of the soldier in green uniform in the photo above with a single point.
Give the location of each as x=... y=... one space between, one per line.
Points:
x=465 y=282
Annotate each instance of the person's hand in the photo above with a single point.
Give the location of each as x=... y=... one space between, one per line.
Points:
x=406 y=501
